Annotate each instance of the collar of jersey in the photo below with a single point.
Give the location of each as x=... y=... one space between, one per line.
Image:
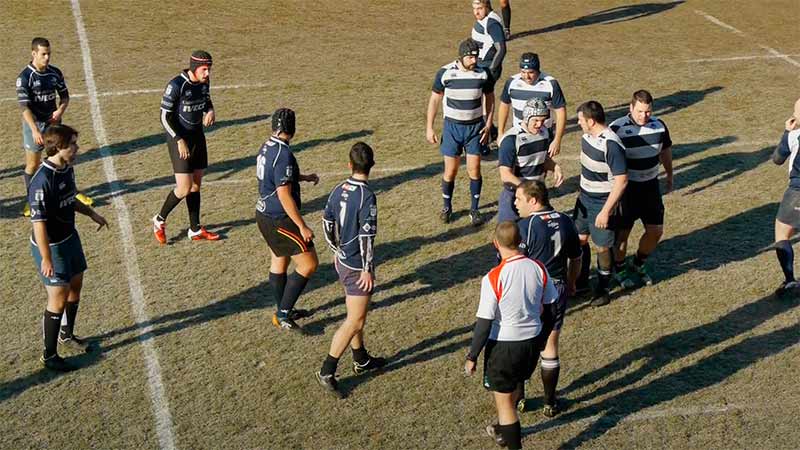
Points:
x=514 y=258
x=352 y=180
x=278 y=140
x=186 y=77
x=541 y=213
x=31 y=66
x=633 y=122
x=50 y=166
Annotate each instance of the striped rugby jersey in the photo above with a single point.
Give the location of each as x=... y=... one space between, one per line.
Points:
x=512 y=295
x=525 y=153
x=788 y=148
x=643 y=146
x=487 y=31
x=517 y=92
x=463 y=92
x=602 y=158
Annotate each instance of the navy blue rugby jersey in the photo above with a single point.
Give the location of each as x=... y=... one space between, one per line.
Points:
x=350 y=223
x=51 y=196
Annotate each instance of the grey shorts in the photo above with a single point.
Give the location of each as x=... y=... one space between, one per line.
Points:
x=68 y=260
x=584 y=216
x=27 y=136
x=349 y=279
x=789 y=211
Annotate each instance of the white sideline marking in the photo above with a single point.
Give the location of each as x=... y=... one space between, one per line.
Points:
x=153 y=91
x=771 y=50
x=738 y=58
x=164 y=428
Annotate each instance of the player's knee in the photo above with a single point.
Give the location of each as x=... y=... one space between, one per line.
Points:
x=182 y=191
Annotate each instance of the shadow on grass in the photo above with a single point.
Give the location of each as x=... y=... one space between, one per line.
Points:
x=653 y=357
x=604 y=17
x=11 y=389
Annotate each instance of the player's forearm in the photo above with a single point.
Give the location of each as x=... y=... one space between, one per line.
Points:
x=573 y=270
x=500 y=53
x=480 y=336
x=290 y=207
x=489 y=104
x=42 y=241
x=329 y=231
x=507 y=176
x=366 y=246
x=433 y=108
x=561 y=123
x=80 y=208
x=27 y=115
x=620 y=182
x=62 y=105
x=666 y=161
x=502 y=116
x=782 y=150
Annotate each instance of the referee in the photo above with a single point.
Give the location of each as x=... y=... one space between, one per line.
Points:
x=509 y=326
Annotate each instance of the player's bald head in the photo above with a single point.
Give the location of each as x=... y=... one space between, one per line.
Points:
x=506 y=235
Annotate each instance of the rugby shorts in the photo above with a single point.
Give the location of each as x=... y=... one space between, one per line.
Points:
x=509 y=363
x=586 y=211
x=198 y=153
x=641 y=201
x=282 y=236
x=458 y=137
x=349 y=279
x=68 y=260
x=789 y=211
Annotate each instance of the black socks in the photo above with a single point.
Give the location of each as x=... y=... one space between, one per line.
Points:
x=193 y=205
x=51 y=324
x=71 y=311
x=277 y=281
x=783 y=249
x=550 y=370
x=169 y=204
x=295 y=283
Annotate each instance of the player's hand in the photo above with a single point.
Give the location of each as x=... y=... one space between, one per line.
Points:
x=99 y=220
x=558 y=176
x=602 y=220
x=431 y=136
x=209 y=118
x=47 y=268
x=307 y=233
x=38 y=139
x=554 y=149
x=469 y=367
x=56 y=117
x=669 y=184
x=791 y=124
x=312 y=178
x=486 y=134
x=365 y=281
x=183 y=149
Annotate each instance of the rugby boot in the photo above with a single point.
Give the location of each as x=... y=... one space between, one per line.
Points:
x=788 y=289
x=498 y=438
x=475 y=218
x=623 y=279
x=551 y=410
x=329 y=383
x=285 y=323
x=202 y=235
x=85 y=199
x=26 y=210
x=160 y=230
x=642 y=272
x=601 y=298
x=75 y=343
x=445 y=215
x=372 y=364
x=296 y=314
x=57 y=363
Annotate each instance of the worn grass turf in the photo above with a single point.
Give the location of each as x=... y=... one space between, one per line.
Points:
x=705 y=358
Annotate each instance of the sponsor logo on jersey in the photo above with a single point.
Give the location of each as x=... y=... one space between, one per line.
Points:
x=19 y=82
x=349 y=187
x=37 y=83
x=168 y=90
x=373 y=210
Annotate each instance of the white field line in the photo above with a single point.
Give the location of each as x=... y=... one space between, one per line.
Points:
x=163 y=417
x=153 y=91
x=735 y=30
x=739 y=58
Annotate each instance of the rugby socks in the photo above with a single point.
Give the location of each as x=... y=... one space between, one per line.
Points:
x=447 y=194
x=360 y=355
x=50 y=325
x=586 y=266
x=295 y=283
x=193 y=205
x=277 y=282
x=506 y=13
x=329 y=366
x=512 y=434
x=169 y=204
x=550 y=371
x=603 y=271
x=475 y=191
x=786 y=259
x=70 y=312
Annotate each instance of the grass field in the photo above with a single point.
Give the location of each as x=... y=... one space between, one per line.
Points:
x=705 y=358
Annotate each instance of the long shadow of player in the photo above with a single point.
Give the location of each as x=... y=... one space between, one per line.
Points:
x=707 y=372
x=13 y=388
x=604 y=17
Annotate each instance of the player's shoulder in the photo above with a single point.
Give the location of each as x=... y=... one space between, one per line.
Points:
x=26 y=72
x=657 y=122
x=549 y=78
x=608 y=135
x=55 y=70
x=794 y=137
x=449 y=66
x=620 y=122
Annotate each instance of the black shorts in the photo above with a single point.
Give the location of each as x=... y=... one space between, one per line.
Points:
x=349 y=279
x=584 y=216
x=507 y=364
x=553 y=313
x=198 y=153
x=282 y=236
x=789 y=211
x=641 y=201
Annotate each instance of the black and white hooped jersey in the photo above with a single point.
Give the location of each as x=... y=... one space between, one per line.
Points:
x=183 y=105
x=51 y=196
x=788 y=148
x=517 y=92
x=38 y=90
x=350 y=223
x=602 y=158
x=463 y=92
x=525 y=153
x=487 y=32
x=551 y=238
x=276 y=166
x=643 y=146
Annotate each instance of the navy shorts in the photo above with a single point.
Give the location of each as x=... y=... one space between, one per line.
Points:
x=349 y=279
x=459 y=137
x=553 y=313
x=505 y=206
x=27 y=136
x=641 y=201
x=198 y=153
x=68 y=260
x=507 y=364
x=789 y=211
x=584 y=216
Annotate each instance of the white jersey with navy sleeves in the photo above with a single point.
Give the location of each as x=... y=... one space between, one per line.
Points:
x=350 y=223
x=517 y=92
x=512 y=295
x=602 y=158
x=38 y=90
x=463 y=92
x=788 y=148
x=643 y=146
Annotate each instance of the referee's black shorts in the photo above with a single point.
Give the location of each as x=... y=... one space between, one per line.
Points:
x=282 y=236
x=506 y=364
x=198 y=153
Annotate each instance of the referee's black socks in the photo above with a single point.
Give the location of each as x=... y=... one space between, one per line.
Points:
x=512 y=434
x=783 y=249
x=295 y=283
x=51 y=325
